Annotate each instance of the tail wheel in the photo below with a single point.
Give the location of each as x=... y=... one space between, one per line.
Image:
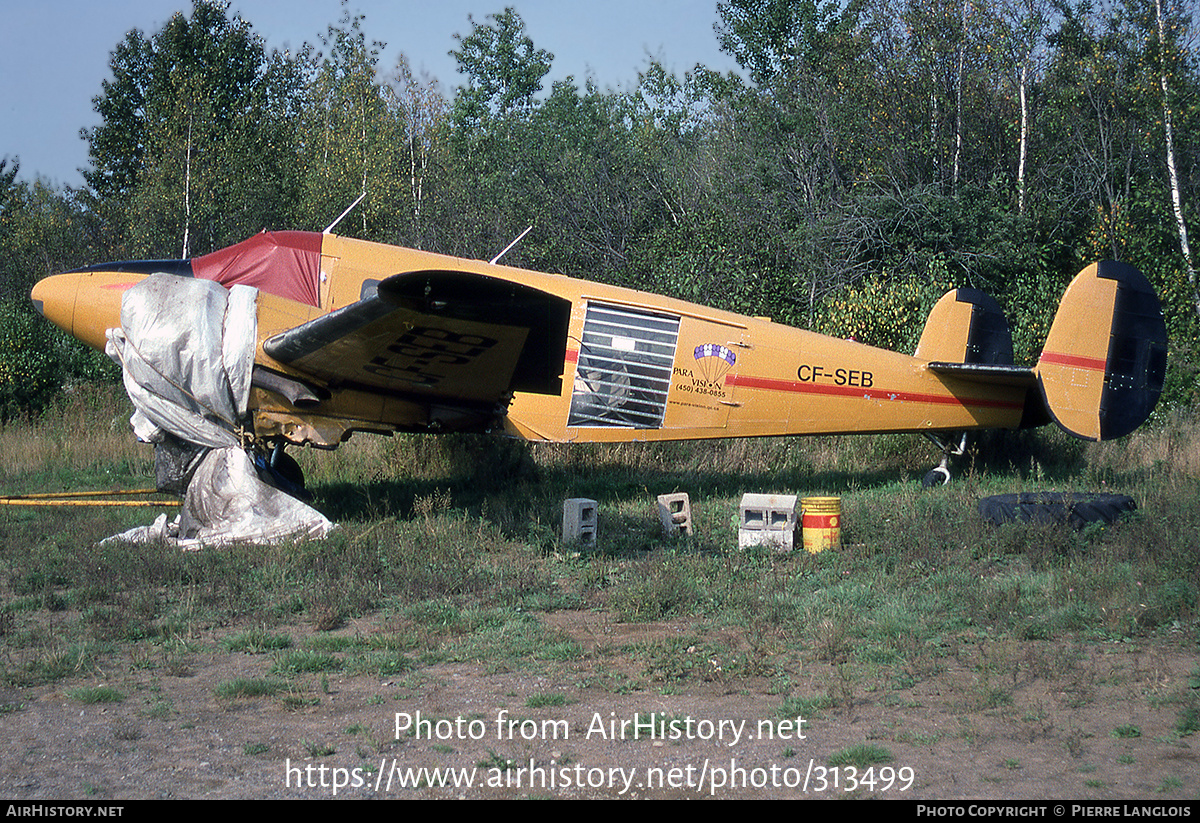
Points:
x=937 y=477
x=940 y=476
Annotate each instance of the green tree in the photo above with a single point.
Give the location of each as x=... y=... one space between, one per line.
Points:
x=489 y=200
x=504 y=69
x=42 y=232
x=30 y=373
x=790 y=148
x=1019 y=28
x=1091 y=125
x=773 y=38
x=588 y=184
x=355 y=141
x=1169 y=23
x=193 y=151
x=7 y=178
x=424 y=113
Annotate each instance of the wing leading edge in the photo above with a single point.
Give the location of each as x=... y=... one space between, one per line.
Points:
x=454 y=336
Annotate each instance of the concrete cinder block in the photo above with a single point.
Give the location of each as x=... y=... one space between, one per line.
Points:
x=675 y=512
x=767 y=520
x=580 y=520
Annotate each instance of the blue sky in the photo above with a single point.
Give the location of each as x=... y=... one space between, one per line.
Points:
x=54 y=55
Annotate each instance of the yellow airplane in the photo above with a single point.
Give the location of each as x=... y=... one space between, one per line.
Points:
x=359 y=336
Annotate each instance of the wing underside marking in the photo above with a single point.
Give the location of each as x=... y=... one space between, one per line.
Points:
x=459 y=337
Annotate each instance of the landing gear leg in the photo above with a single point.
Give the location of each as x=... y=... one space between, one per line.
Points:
x=940 y=476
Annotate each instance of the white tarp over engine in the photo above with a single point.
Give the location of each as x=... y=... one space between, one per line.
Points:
x=186 y=349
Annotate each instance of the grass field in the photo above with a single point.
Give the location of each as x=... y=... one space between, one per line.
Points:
x=449 y=556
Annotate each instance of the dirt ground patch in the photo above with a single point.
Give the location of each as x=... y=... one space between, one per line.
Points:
x=993 y=720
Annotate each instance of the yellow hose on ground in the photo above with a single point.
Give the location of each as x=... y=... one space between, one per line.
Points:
x=72 y=499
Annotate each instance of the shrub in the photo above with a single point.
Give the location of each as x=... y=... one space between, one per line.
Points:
x=882 y=311
x=30 y=370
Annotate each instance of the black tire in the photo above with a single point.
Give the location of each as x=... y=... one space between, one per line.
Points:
x=1076 y=509
x=286 y=467
x=936 y=477
x=283 y=472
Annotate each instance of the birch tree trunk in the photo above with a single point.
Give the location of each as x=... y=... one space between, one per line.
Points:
x=958 y=97
x=1168 y=128
x=1024 y=138
x=187 y=192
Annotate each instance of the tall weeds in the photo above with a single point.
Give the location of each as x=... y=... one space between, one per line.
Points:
x=452 y=545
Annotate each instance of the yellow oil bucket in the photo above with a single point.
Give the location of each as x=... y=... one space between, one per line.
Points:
x=821 y=523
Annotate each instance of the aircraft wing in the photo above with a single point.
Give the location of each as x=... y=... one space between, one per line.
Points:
x=455 y=336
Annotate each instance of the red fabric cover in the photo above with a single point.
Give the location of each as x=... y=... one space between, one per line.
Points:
x=284 y=263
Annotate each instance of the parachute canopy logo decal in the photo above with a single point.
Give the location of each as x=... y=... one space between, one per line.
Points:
x=714 y=360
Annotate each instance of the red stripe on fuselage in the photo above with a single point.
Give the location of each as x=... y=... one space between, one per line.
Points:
x=771 y=384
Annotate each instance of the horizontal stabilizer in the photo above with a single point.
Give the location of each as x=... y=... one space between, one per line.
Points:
x=987 y=373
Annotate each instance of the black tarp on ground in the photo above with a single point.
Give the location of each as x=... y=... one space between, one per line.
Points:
x=1075 y=508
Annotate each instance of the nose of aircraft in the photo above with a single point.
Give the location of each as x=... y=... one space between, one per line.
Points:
x=84 y=304
x=55 y=298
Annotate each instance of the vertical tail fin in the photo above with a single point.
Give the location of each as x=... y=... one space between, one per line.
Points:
x=1102 y=368
x=966 y=326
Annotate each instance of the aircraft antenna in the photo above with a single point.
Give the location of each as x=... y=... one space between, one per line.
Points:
x=510 y=245
x=349 y=208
